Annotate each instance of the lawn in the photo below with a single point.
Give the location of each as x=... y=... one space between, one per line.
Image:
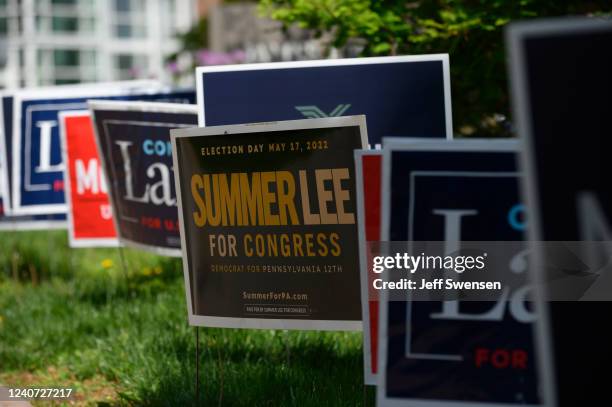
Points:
x=119 y=336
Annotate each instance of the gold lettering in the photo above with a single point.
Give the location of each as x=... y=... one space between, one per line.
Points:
x=268 y=198
x=286 y=198
x=199 y=217
x=213 y=219
x=248 y=239
x=285 y=246
x=333 y=239
x=272 y=245
x=230 y=200
x=252 y=207
x=309 y=245
x=259 y=245
x=325 y=196
x=323 y=250
x=297 y=245
x=309 y=218
x=341 y=196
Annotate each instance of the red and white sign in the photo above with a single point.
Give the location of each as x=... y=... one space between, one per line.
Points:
x=368 y=165
x=90 y=220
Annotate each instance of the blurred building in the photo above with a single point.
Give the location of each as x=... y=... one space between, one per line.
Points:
x=45 y=42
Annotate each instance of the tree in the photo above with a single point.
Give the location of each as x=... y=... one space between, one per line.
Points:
x=471 y=31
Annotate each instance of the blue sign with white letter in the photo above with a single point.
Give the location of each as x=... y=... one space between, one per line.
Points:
x=8 y=222
x=37 y=185
x=400 y=96
x=453 y=352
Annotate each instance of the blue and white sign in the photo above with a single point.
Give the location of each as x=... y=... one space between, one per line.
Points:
x=456 y=353
x=37 y=168
x=31 y=222
x=407 y=96
x=8 y=222
x=6 y=131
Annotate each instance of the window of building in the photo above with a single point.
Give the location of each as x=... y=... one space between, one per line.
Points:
x=65 y=58
x=130 y=18
x=123 y=5
x=3 y=18
x=7 y=13
x=62 y=66
x=65 y=16
x=70 y=24
x=130 y=66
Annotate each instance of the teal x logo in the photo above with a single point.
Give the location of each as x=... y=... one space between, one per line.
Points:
x=313 y=112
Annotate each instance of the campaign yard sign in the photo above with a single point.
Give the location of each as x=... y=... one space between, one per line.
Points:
x=37 y=185
x=561 y=86
x=6 y=131
x=90 y=220
x=133 y=140
x=7 y=220
x=368 y=170
x=456 y=353
x=3 y=209
x=407 y=96
x=30 y=222
x=268 y=223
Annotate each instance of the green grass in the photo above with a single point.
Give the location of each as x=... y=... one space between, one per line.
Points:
x=76 y=318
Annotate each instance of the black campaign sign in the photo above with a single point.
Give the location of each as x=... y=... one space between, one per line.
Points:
x=137 y=155
x=269 y=223
x=561 y=72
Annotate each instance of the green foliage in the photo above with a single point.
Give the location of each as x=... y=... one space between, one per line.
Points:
x=192 y=40
x=88 y=323
x=471 y=31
